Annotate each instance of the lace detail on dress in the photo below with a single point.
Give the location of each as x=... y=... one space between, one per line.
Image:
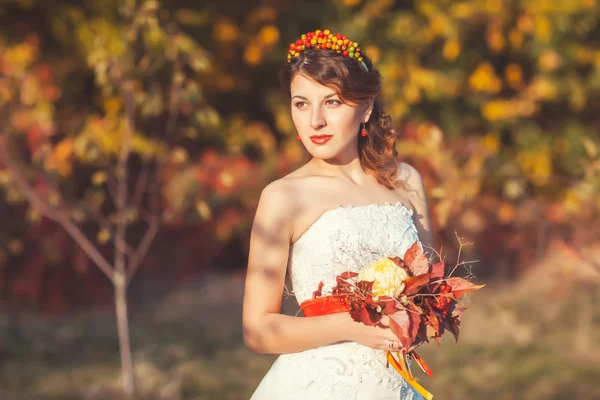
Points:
x=348 y=238
x=344 y=238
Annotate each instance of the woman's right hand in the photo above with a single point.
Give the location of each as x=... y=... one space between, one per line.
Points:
x=376 y=337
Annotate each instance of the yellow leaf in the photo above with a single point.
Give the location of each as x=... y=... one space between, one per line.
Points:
x=268 y=35
x=514 y=75
x=549 y=61
x=99 y=178
x=253 y=54
x=225 y=30
x=484 y=79
x=112 y=105
x=60 y=159
x=590 y=147
x=103 y=236
x=203 y=209
x=491 y=143
x=452 y=49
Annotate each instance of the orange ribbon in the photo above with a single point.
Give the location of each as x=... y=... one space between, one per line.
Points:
x=331 y=304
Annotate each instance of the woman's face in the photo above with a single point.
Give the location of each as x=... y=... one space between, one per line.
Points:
x=317 y=110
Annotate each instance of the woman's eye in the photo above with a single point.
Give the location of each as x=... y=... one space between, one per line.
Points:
x=300 y=104
x=334 y=102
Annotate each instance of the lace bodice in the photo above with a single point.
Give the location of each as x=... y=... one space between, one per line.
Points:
x=344 y=238
x=348 y=238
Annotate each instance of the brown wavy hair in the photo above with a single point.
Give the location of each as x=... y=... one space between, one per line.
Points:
x=377 y=151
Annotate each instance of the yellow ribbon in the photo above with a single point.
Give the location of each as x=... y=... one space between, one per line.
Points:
x=402 y=368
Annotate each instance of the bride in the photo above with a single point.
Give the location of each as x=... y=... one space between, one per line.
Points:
x=352 y=203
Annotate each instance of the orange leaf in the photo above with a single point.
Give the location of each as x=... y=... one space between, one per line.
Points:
x=416 y=260
x=422 y=364
x=413 y=284
x=437 y=270
x=461 y=286
x=405 y=325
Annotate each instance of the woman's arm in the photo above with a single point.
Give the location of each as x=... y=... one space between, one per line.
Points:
x=414 y=184
x=265 y=329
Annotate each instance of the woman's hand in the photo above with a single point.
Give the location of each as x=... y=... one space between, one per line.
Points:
x=378 y=337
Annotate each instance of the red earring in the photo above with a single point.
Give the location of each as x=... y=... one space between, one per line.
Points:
x=298 y=138
x=363 y=132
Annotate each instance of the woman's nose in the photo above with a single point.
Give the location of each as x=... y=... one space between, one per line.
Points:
x=317 y=120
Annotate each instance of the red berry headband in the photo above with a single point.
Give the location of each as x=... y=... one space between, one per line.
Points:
x=326 y=40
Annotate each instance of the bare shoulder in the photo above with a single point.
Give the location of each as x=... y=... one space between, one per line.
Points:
x=410 y=177
x=277 y=202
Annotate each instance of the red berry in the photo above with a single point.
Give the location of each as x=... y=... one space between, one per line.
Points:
x=344 y=37
x=345 y=52
x=298 y=42
x=292 y=46
x=339 y=36
x=308 y=45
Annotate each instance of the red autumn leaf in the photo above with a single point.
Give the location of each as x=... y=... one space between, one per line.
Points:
x=437 y=270
x=416 y=260
x=397 y=260
x=413 y=284
x=342 y=278
x=453 y=325
x=461 y=286
x=421 y=363
x=391 y=307
x=365 y=288
x=431 y=320
x=405 y=325
x=459 y=310
x=318 y=293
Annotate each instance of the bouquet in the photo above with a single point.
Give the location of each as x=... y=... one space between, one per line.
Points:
x=420 y=300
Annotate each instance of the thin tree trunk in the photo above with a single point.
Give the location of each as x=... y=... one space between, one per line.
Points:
x=127 y=372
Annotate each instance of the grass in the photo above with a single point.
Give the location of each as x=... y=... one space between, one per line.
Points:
x=518 y=342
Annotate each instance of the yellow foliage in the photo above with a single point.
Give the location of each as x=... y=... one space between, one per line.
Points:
x=589 y=4
x=491 y=143
x=498 y=110
x=412 y=94
x=484 y=79
x=225 y=30
x=373 y=52
x=99 y=178
x=549 y=60
x=103 y=236
x=536 y=164
x=203 y=210
x=17 y=59
x=30 y=91
x=113 y=105
x=268 y=35
x=253 y=54
x=514 y=75
x=495 y=38
x=541 y=89
x=452 y=49
x=525 y=23
x=542 y=29
x=60 y=160
x=106 y=137
x=515 y=38
x=462 y=10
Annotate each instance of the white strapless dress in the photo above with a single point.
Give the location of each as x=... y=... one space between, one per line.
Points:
x=344 y=238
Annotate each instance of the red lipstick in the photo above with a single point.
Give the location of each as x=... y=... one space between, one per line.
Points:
x=320 y=139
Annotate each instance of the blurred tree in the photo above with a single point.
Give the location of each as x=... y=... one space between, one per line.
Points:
x=151 y=107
